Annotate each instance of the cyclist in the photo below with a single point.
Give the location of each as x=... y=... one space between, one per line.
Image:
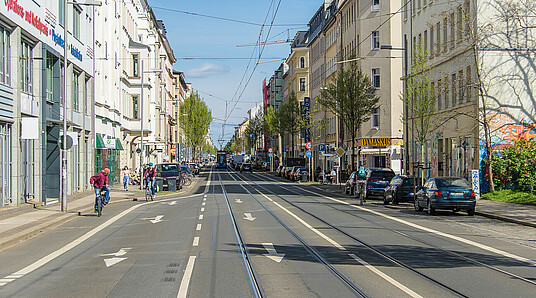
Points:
x=149 y=176
x=100 y=183
x=361 y=184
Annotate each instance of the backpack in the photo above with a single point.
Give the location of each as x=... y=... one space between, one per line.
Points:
x=361 y=173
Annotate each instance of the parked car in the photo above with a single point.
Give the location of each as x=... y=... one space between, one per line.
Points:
x=279 y=171
x=287 y=172
x=299 y=173
x=349 y=186
x=266 y=166
x=400 y=189
x=449 y=193
x=246 y=167
x=237 y=166
x=167 y=172
x=377 y=181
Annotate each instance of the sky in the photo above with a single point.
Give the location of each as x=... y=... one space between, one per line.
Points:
x=219 y=65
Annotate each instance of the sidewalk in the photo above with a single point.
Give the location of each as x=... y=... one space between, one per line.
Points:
x=514 y=213
x=18 y=224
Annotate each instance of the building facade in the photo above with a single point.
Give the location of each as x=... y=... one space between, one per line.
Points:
x=32 y=41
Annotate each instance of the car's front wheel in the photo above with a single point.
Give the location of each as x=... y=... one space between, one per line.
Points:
x=416 y=206
x=471 y=212
x=385 y=202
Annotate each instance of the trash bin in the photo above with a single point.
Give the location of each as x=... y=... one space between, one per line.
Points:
x=159 y=184
x=305 y=177
x=172 y=184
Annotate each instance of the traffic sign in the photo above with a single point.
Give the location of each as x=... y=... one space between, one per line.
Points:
x=270 y=154
x=270 y=150
x=138 y=150
x=309 y=153
x=308 y=145
x=69 y=142
x=322 y=147
x=340 y=151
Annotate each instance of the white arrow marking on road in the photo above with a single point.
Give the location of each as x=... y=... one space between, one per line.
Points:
x=249 y=217
x=157 y=219
x=239 y=201
x=272 y=254
x=123 y=251
x=170 y=203
x=113 y=261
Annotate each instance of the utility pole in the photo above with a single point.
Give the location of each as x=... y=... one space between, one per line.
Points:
x=141 y=124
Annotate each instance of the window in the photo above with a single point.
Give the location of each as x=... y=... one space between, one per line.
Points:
x=469 y=83
x=376 y=77
x=376 y=118
x=445 y=34
x=86 y=97
x=375 y=40
x=49 y=79
x=467 y=17
x=418 y=4
x=453 y=82
x=375 y=5
x=452 y=30
x=406 y=4
x=302 y=84
x=438 y=36
x=61 y=13
x=439 y=95
x=26 y=66
x=446 y=92
x=432 y=91
x=461 y=92
x=431 y=42
x=459 y=25
x=135 y=107
x=76 y=22
x=425 y=43
x=4 y=56
x=135 y=65
x=62 y=89
x=76 y=91
x=302 y=62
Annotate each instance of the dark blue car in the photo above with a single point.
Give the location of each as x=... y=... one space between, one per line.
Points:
x=377 y=182
x=450 y=193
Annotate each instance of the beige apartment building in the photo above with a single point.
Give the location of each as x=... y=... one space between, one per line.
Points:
x=338 y=29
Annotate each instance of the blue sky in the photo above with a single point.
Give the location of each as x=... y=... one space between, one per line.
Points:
x=200 y=37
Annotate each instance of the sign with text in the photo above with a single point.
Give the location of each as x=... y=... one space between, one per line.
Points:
x=306 y=110
x=475 y=175
x=379 y=142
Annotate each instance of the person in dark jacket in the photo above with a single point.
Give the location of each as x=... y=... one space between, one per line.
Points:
x=149 y=176
x=100 y=183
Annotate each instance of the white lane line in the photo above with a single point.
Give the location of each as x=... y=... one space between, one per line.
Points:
x=185 y=283
x=196 y=241
x=205 y=196
x=203 y=209
x=205 y=199
x=198 y=227
x=201 y=216
x=429 y=230
x=385 y=276
x=333 y=242
x=203 y=204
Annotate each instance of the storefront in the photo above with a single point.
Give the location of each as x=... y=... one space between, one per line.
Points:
x=382 y=153
x=108 y=151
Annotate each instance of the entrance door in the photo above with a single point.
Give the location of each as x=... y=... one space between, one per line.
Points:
x=5 y=164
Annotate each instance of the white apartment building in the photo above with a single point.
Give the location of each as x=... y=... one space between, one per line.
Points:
x=32 y=40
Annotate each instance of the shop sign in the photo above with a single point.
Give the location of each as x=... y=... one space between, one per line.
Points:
x=379 y=142
x=109 y=143
x=58 y=40
x=27 y=14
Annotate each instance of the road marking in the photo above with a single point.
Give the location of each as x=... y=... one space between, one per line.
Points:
x=205 y=196
x=333 y=242
x=170 y=203
x=239 y=201
x=272 y=253
x=120 y=253
x=157 y=219
x=204 y=200
x=203 y=209
x=429 y=230
x=198 y=227
x=201 y=216
x=249 y=217
x=113 y=261
x=385 y=276
x=196 y=241
x=185 y=283
x=203 y=204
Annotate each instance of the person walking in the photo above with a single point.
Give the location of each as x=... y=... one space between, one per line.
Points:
x=333 y=176
x=126 y=177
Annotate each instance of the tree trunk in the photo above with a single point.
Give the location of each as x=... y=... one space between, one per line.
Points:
x=353 y=153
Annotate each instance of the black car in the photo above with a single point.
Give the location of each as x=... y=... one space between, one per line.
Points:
x=237 y=166
x=377 y=182
x=246 y=167
x=167 y=172
x=450 y=193
x=400 y=190
x=299 y=174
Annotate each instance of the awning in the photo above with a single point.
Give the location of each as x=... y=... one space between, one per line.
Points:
x=375 y=151
x=99 y=144
x=118 y=145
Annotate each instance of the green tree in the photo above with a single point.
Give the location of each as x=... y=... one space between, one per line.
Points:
x=352 y=98
x=420 y=100
x=195 y=118
x=292 y=117
x=275 y=124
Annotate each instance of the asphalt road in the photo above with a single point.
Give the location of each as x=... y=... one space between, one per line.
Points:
x=251 y=234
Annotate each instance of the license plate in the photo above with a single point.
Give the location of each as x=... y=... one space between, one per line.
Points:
x=456 y=194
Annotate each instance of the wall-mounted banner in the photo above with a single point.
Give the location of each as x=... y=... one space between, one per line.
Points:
x=380 y=142
x=306 y=110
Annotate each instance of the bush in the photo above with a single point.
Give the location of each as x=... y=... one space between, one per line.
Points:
x=510 y=196
x=515 y=167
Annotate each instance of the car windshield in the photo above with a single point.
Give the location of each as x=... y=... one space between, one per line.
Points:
x=382 y=175
x=166 y=168
x=452 y=183
x=409 y=181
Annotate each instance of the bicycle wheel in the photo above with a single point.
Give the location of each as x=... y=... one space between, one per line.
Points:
x=99 y=206
x=147 y=194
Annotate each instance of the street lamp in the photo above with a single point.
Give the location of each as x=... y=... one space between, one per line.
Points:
x=65 y=91
x=141 y=115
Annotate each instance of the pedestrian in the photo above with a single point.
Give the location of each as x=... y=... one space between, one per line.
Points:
x=126 y=177
x=333 y=175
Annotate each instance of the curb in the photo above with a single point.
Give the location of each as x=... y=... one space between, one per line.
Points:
x=506 y=219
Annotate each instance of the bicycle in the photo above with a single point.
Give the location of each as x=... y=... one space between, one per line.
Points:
x=360 y=191
x=148 y=191
x=187 y=179
x=100 y=203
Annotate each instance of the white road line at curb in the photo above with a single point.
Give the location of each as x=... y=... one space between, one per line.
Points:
x=198 y=227
x=385 y=276
x=202 y=209
x=429 y=230
x=196 y=241
x=201 y=216
x=185 y=283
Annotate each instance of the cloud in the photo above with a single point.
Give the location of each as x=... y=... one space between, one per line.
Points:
x=207 y=70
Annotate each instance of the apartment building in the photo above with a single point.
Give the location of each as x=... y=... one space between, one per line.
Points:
x=32 y=98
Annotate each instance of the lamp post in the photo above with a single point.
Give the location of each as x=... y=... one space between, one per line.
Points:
x=63 y=177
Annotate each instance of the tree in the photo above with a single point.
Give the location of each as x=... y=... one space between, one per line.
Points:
x=195 y=119
x=419 y=99
x=255 y=129
x=352 y=98
x=292 y=117
x=274 y=122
